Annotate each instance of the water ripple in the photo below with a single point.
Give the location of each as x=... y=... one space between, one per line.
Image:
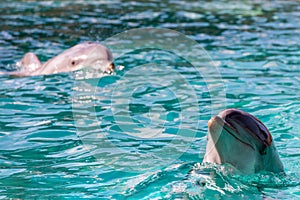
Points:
x=255 y=45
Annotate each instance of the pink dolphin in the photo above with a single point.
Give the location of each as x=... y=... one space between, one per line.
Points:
x=82 y=55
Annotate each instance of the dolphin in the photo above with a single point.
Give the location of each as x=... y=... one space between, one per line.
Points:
x=81 y=55
x=242 y=140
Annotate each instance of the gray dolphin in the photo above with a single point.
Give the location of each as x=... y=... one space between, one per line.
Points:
x=82 y=55
x=242 y=140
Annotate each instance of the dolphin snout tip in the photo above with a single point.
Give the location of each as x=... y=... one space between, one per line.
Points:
x=210 y=122
x=214 y=122
x=110 y=68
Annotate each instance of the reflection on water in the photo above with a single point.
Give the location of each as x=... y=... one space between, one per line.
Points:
x=255 y=45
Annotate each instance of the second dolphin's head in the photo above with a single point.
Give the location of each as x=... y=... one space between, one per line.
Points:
x=87 y=54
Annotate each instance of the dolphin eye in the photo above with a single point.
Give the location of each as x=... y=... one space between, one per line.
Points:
x=77 y=60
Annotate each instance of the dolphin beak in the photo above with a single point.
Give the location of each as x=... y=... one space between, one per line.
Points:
x=220 y=121
x=110 y=69
x=218 y=125
x=243 y=126
x=209 y=123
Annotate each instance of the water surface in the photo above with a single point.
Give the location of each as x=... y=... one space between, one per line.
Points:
x=152 y=129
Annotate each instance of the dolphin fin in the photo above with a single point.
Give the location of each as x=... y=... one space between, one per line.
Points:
x=30 y=62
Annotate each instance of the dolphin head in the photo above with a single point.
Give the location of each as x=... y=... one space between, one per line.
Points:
x=242 y=140
x=88 y=54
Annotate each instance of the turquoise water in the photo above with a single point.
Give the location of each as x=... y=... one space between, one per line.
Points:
x=148 y=120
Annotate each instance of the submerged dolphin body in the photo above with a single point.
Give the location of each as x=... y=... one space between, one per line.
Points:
x=240 y=139
x=82 y=55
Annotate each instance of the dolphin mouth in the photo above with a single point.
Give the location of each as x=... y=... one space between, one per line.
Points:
x=111 y=68
x=229 y=128
x=102 y=66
